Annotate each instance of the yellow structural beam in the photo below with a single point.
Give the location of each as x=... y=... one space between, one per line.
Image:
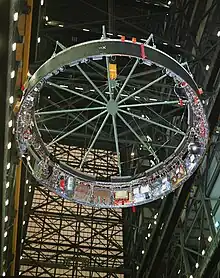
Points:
x=27 y=42
x=23 y=77
x=16 y=207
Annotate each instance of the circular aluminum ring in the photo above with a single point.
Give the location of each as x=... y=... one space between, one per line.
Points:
x=79 y=187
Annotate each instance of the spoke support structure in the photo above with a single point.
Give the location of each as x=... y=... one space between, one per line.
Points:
x=127 y=110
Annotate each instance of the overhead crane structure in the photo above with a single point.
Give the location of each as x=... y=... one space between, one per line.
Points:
x=61 y=239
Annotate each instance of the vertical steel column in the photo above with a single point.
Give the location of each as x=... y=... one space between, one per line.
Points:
x=36 y=22
x=27 y=41
x=111 y=16
x=21 y=178
x=5 y=8
x=25 y=67
x=111 y=20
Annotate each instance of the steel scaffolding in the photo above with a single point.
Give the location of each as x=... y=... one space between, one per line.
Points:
x=63 y=239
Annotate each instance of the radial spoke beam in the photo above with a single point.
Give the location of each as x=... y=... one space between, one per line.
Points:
x=127 y=79
x=93 y=142
x=108 y=76
x=146 y=145
x=177 y=130
x=143 y=88
x=116 y=143
x=74 y=93
x=149 y=104
x=70 y=110
x=75 y=129
x=91 y=82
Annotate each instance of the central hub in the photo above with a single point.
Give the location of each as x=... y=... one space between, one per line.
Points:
x=112 y=107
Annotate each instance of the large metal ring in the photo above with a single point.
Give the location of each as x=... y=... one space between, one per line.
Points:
x=74 y=185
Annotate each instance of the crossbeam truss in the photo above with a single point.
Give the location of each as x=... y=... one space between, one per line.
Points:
x=99 y=162
x=64 y=239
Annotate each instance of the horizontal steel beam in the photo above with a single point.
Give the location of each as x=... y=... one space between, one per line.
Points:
x=73 y=216
x=70 y=248
x=43 y=263
x=117 y=270
x=107 y=145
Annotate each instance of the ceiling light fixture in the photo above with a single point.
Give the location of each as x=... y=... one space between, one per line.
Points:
x=12 y=74
x=10 y=123
x=14 y=46
x=11 y=99
x=16 y=16
x=217 y=222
